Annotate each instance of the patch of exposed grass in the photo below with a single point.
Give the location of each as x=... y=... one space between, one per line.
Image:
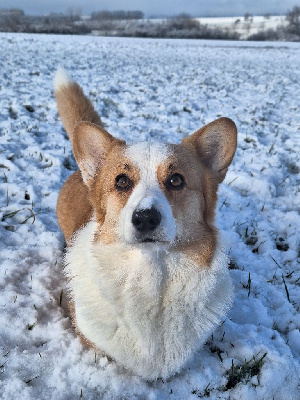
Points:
x=30 y=327
x=215 y=349
x=286 y=289
x=200 y=394
x=243 y=373
x=13 y=213
x=30 y=380
x=61 y=297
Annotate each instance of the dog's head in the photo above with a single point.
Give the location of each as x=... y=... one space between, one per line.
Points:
x=154 y=193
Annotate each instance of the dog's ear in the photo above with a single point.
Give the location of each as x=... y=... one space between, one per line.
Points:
x=91 y=143
x=215 y=144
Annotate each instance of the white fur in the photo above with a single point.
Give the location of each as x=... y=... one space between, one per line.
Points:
x=61 y=78
x=88 y=170
x=147 y=157
x=149 y=310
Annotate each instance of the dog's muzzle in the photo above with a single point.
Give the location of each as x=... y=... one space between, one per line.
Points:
x=147 y=218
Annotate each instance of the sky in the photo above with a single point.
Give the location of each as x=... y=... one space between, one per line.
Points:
x=156 y=7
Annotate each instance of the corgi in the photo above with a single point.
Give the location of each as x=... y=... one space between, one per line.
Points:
x=147 y=275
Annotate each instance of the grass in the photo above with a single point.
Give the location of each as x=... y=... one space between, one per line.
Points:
x=233 y=180
x=256 y=250
x=5 y=180
x=249 y=284
x=30 y=380
x=13 y=213
x=199 y=394
x=275 y=261
x=289 y=275
x=236 y=374
x=218 y=351
x=243 y=373
x=251 y=239
x=61 y=297
x=286 y=289
x=224 y=203
x=30 y=327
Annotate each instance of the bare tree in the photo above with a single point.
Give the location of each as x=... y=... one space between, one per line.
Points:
x=248 y=17
x=293 y=18
x=73 y=14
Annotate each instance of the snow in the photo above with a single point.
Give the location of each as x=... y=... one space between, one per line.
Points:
x=245 y=27
x=145 y=89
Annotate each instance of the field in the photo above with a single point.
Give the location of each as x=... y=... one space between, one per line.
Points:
x=247 y=27
x=162 y=90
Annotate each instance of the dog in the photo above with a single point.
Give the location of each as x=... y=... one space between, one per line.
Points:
x=148 y=277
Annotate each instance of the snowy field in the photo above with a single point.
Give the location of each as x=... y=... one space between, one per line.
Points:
x=164 y=90
x=245 y=28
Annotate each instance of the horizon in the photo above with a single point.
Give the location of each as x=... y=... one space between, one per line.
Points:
x=153 y=16
x=155 y=9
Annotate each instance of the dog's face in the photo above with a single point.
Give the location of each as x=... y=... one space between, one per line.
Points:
x=152 y=193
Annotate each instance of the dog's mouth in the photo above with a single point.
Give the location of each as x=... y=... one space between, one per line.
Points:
x=152 y=241
x=149 y=240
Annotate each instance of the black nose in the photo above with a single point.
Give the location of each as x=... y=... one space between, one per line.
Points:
x=146 y=220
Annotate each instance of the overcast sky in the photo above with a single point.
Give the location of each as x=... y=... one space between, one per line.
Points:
x=157 y=7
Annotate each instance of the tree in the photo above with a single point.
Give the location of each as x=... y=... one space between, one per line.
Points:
x=73 y=14
x=248 y=17
x=293 y=18
x=183 y=21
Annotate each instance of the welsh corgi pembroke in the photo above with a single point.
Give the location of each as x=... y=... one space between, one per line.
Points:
x=148 y=279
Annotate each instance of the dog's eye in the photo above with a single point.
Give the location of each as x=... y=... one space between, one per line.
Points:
x=175 y=182
x=123 y=183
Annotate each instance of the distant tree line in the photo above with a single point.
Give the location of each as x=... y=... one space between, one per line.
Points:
x=11 y=11
x=180 y=26
x=133 y=24
x=116 y=15
x=290 y=32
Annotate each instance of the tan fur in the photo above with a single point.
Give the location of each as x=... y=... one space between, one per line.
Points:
x=94 y=195
x=202 y=159
x=216 y=154
x=104 y=193
x=74 y=209
x=74 y=107
x=196 y=199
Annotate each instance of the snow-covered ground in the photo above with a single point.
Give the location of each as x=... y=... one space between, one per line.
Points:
x=164 y=90
x=245 y=27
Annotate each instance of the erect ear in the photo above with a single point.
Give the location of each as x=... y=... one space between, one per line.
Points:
x=91 y=143
x=215 y=144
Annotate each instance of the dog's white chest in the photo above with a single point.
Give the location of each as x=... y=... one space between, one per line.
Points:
x=149 y=311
